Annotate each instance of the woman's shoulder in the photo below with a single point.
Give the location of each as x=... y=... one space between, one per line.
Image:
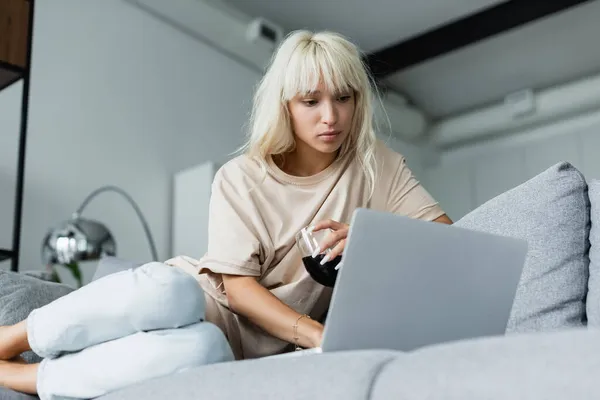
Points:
x=240 y=171
x=388 y=160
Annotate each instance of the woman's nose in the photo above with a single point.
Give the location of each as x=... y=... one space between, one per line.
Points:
x=329 y=113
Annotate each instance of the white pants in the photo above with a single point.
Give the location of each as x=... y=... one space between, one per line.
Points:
x=124 y=328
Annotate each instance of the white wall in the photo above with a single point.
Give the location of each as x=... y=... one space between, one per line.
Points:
x=414 y=154
x=466 y=177
x=121 y=98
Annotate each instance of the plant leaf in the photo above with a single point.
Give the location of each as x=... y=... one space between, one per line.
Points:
x=76 y=272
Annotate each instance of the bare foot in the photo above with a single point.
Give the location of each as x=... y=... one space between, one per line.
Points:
x=18 y=376
x=13 y=340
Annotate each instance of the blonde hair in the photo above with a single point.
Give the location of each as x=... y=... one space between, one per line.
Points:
x=298 y=65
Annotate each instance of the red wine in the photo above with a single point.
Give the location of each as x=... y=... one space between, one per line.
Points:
x=323 y=274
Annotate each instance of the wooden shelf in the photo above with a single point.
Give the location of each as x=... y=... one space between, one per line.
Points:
x=14 y=36
x=9 y=74
x=14 y=31
x=5 y=255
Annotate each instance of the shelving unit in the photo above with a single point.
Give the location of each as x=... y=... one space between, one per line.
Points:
x=16 y=34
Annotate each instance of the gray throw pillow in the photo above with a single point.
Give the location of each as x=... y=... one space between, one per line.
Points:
x=551 y=212
x=20 y=294
x=593 y=296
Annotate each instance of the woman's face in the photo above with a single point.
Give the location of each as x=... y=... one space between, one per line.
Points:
x=322 y=120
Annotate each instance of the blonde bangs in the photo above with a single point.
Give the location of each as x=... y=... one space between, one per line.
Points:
x=313 y=63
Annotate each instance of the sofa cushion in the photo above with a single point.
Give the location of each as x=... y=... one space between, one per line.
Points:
x=593 y=297
x=551 y=365
x=20 y=294
x=322 y=376
x=551 y=212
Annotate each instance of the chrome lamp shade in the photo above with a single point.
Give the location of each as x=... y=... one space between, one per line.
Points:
x=81 y=239
x=77 y=240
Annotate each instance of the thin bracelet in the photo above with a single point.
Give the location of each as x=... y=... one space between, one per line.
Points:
x=296 y=337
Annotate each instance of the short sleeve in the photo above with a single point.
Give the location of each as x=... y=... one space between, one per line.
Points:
x=233 y=244
x=408 y=197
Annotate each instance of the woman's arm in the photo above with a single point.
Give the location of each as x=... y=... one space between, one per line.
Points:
x=248 y=298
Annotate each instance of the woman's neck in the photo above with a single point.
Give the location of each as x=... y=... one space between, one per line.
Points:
x=305 y=161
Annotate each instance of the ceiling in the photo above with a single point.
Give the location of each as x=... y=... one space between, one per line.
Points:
x=542 y=53
x=394 y=19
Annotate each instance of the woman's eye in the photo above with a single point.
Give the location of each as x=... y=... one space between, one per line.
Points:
x=310 y=103
x=344 y=99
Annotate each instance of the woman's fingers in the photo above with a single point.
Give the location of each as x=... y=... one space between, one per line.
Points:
x=328 y=223
x=333 y=238
x=337 y=237
x=336 y=251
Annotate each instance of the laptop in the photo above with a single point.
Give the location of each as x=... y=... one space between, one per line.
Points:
x=408 y=283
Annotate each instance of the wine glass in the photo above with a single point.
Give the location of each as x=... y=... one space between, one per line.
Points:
x=308 y=242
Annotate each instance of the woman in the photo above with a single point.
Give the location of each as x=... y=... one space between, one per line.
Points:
x=312 y=158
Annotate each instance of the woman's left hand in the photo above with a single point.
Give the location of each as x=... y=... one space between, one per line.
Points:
x=339 y=236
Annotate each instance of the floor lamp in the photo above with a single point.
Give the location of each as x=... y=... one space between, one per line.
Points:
x=80 y=239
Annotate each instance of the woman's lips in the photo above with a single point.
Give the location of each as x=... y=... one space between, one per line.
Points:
x=329 y=136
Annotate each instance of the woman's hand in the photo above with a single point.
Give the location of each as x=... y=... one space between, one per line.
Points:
x=339 y=236
x=250 y=299
x=314 y=332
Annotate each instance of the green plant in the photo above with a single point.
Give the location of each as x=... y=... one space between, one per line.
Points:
x=73 y=268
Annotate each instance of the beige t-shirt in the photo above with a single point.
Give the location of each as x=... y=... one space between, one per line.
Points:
x=252 y=228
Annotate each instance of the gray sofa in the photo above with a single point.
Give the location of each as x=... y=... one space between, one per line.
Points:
x=551 y=349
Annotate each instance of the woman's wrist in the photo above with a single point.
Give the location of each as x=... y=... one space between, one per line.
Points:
x=307 y=332
x=317 y=335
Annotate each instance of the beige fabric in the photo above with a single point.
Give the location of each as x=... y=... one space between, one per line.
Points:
x=252 y=230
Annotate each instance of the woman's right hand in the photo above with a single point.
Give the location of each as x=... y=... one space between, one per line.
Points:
x=315 y=332
x=250 y=299
x=337 y=238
